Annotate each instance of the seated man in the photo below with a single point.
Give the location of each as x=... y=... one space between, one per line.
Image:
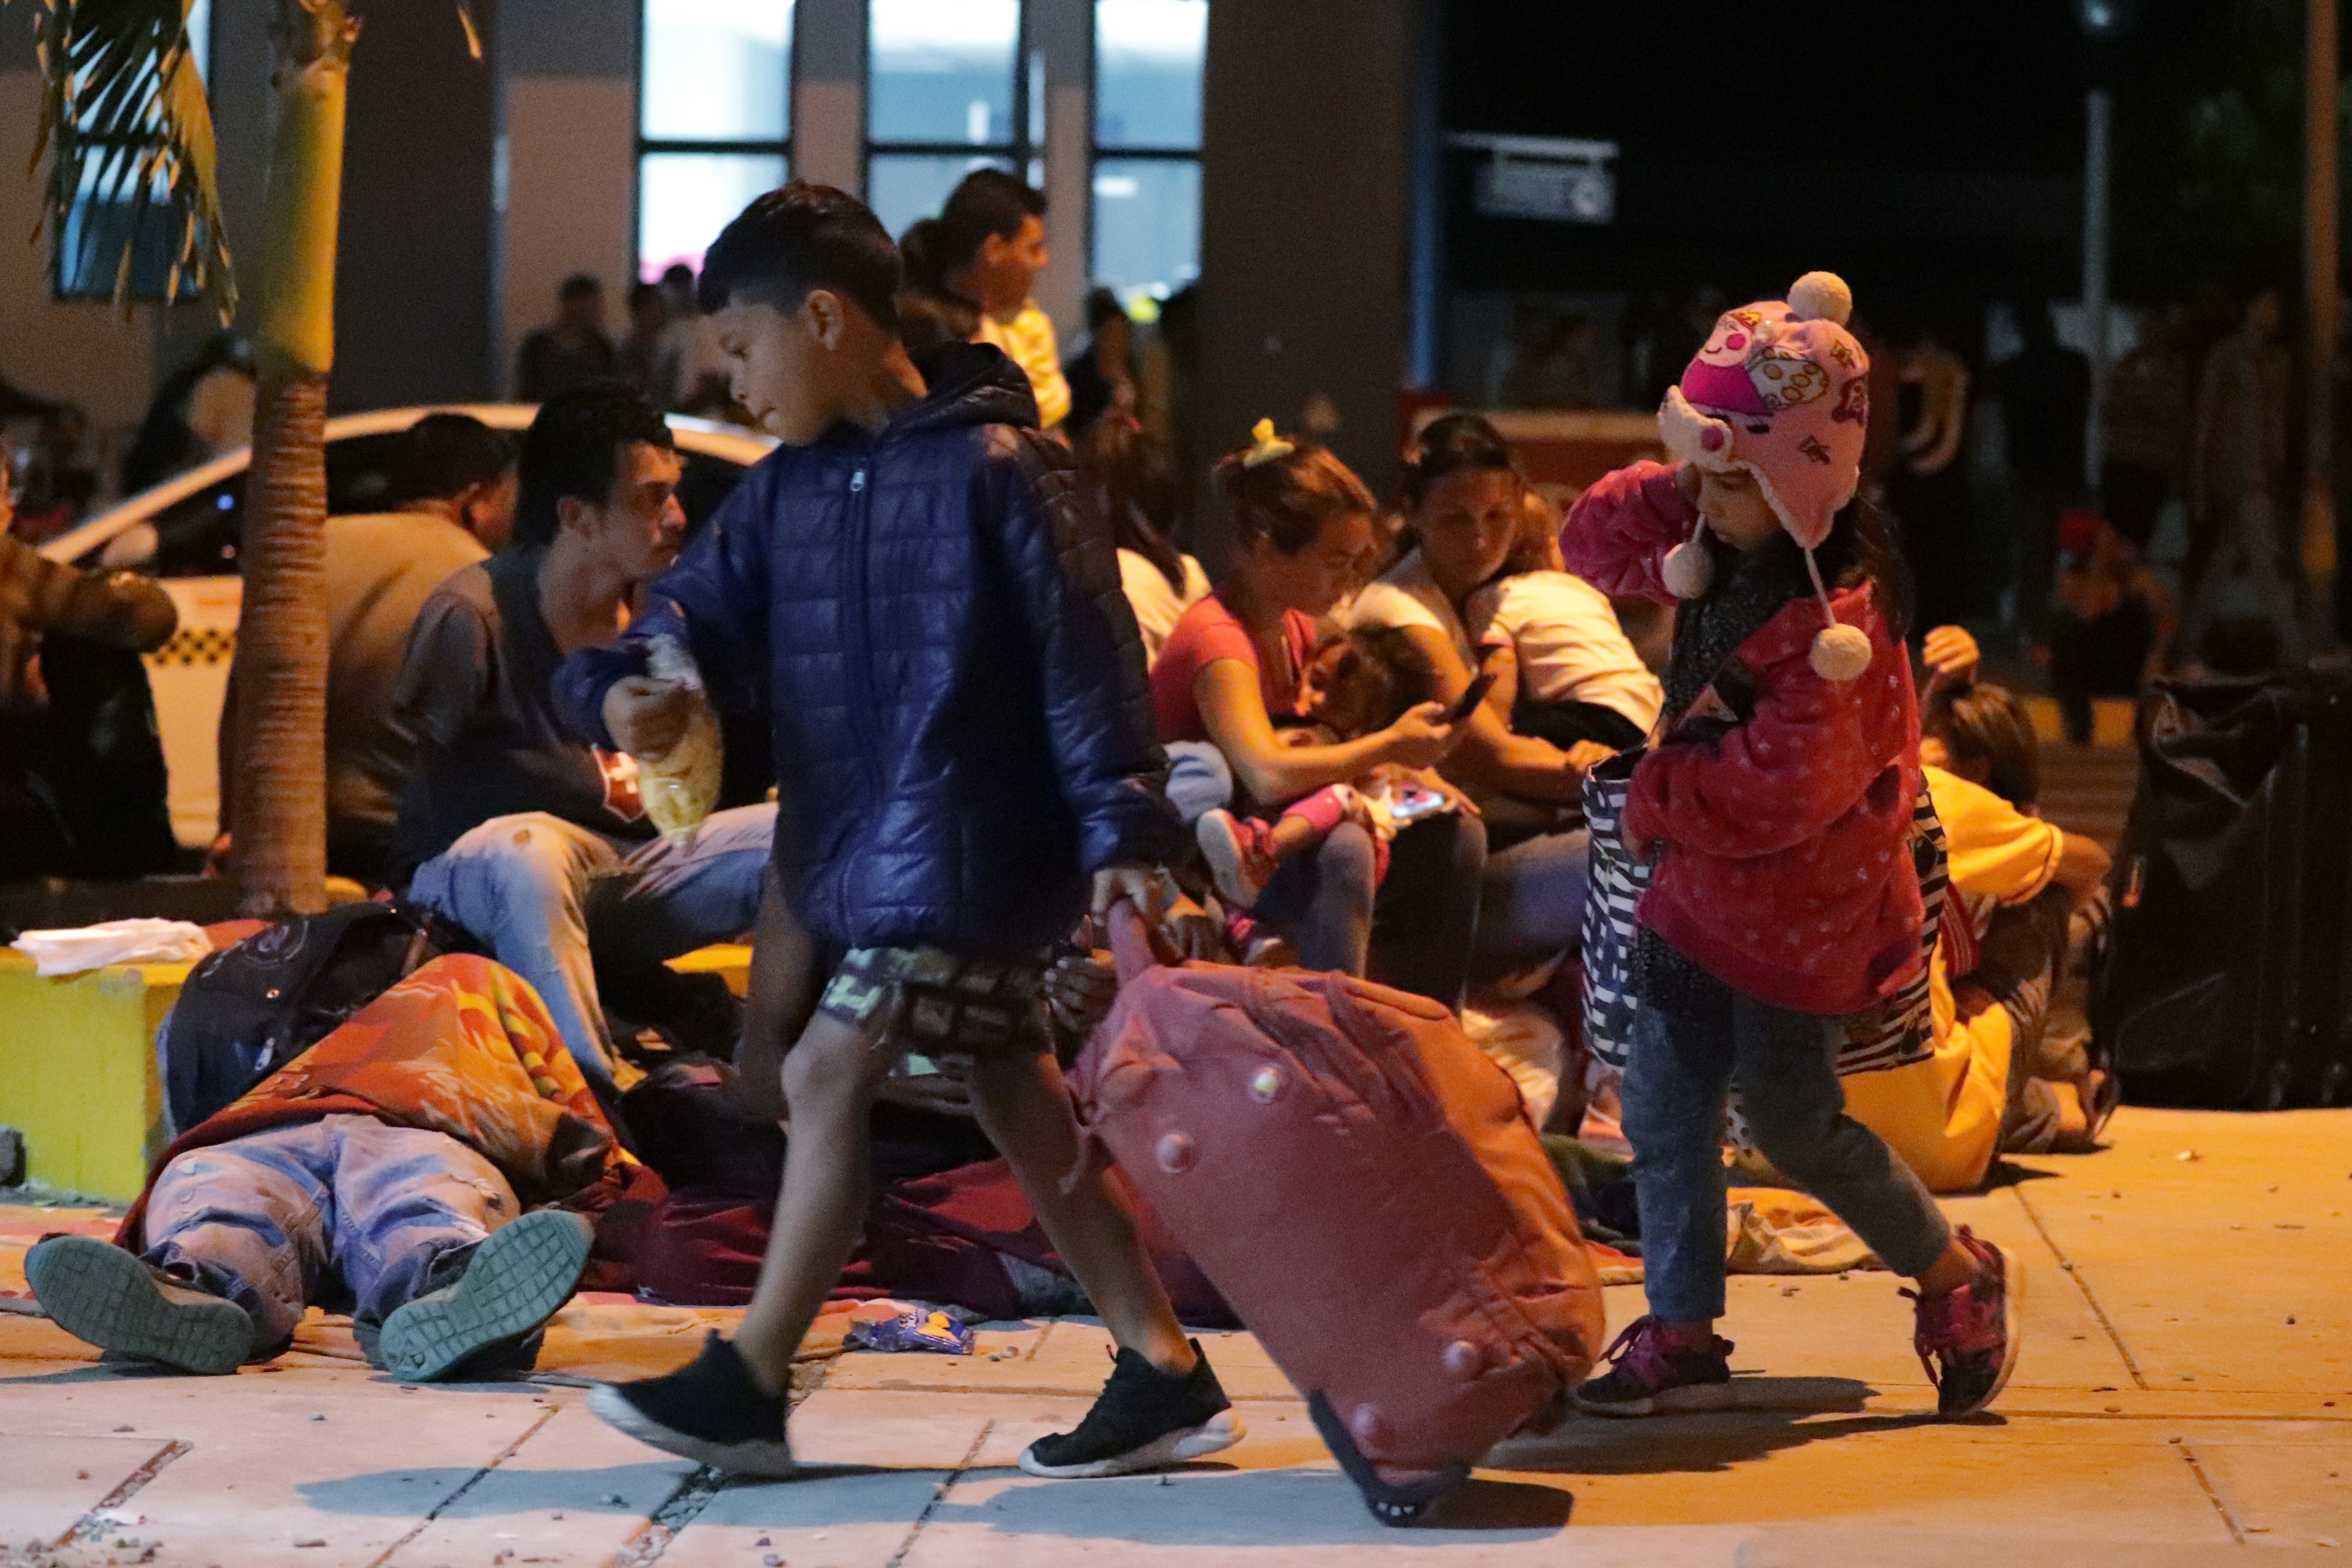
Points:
x=533 y=841
x=454 y=503
x=386 y=1171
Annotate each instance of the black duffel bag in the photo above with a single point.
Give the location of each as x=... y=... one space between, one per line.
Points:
x=2224 y=980
x=249 y=1010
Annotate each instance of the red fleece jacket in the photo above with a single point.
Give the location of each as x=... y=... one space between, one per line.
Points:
x=1781 y=804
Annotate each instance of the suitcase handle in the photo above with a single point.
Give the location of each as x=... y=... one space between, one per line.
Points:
x=1130 y=941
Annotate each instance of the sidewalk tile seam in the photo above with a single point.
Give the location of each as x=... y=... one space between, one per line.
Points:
x=939 y=1494
x=501 y=1458
x=2196 y=1469
x=93 y=1524
x=669 y=1521
x=2066 y=1265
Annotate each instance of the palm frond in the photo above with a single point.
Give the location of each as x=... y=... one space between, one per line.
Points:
x=126 y=128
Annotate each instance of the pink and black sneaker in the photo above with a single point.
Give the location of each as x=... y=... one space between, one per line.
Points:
x=1967 y=1338
x=1238 y=855
x=1657 y=1372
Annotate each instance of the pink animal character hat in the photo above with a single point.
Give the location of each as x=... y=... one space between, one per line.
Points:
x=1781 y=390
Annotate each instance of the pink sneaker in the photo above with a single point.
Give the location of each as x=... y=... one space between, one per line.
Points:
x=1656 y=1375
x=1235 y=849
x=1967 y=1338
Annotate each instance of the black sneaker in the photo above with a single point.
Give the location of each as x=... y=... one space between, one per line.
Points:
x=710 y=1410
x=1142 y=1420
x=516 y=1280
x=1655 y=1374
x=107 y=1296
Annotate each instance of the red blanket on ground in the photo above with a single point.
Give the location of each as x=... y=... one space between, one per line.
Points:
x=931 y=1238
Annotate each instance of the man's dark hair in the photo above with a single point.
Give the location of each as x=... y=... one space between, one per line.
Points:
x=1103 y=308
x=987 y=202
x=573 y=448
x=578 y=286
x=447 y=454
x=800 y=237
x=992 y=202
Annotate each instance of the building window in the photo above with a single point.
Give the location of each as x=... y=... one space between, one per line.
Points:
x=109 y=236
x=945 y=94
x=1147 y=145
x=714 y=120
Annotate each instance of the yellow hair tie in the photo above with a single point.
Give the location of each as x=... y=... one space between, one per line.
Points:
x=1266 y=445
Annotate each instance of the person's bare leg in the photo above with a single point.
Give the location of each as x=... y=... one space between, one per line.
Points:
x=1018 y=1098
x=785 y=983
x=1957 y=1267
x=1290 y=835
x=830 y=1076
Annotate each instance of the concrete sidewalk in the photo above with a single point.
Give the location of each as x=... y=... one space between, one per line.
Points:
x=2184 y=1396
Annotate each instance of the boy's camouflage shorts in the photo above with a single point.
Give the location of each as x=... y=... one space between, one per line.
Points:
x=955 y=1006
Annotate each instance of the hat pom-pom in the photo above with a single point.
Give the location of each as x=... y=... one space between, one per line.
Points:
x=1841 y=653
x=1821 y=296
x=1688 y=570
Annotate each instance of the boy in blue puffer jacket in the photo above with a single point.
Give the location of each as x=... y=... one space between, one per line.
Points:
x=912 y=591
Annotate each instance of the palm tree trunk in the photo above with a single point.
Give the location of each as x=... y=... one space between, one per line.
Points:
x=279 y=819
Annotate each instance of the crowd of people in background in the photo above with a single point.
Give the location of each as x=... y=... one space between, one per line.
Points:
x=2177 y=550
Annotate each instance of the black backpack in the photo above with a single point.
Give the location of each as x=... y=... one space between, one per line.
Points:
x=248 y=1011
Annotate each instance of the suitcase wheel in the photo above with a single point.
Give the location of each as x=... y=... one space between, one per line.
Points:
x=1392 y=1505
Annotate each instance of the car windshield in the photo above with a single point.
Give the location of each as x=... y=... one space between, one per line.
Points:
x=202 y=534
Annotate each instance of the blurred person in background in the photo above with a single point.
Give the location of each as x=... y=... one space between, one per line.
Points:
x=1927 y=486
x=2240 y=493
x=2045 y=401
x=647 y=356
x=55 y=486
x=82 y=782
x=2114 y=626
x=453 y=505
x=203 y=410
x=2146 y=426
x=688 y=339
x=1131 y=481
x=1101 y=374
x=573 y=352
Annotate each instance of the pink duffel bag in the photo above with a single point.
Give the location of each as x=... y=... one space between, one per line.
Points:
x=1363 y=1186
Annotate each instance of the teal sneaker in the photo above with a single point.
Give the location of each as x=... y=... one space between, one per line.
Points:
x=115 y=1301
x=517 y=1280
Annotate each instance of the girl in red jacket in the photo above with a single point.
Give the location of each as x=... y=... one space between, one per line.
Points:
x=1776 y=810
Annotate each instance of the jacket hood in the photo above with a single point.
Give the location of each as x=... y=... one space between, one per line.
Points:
x=971 y=383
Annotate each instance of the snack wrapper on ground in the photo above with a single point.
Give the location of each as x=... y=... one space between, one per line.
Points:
x=911 y=1328
x=681 y=785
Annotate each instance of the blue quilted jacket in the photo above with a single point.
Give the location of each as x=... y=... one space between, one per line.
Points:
x=930 y=619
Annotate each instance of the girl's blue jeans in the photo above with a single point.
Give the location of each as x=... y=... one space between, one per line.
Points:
x=1681 y=1068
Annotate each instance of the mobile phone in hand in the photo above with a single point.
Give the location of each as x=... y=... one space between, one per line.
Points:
x=1470 y=700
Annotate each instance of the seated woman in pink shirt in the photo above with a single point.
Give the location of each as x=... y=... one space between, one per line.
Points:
x=1229 y=677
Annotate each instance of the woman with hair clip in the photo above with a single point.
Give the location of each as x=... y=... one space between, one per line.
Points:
x=1478 y=591
x=1234 y=671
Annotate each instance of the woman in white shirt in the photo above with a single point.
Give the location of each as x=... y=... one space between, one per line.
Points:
x=1132 y=485
x=1467 y=506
